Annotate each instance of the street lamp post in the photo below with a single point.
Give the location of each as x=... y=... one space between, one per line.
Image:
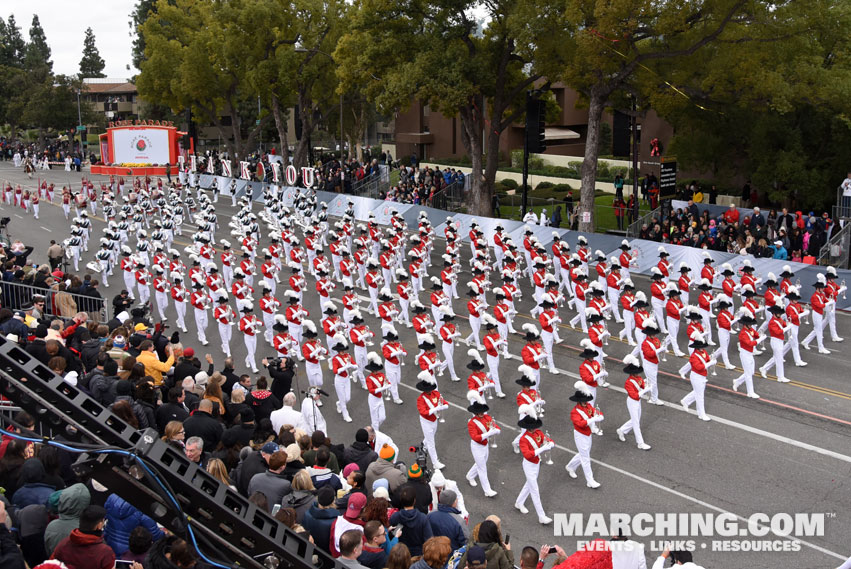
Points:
x=80 y=122
x=331 y=57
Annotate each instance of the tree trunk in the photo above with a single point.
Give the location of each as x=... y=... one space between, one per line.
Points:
x=281 y=125
x=596 y=105
x=300 y=158
x=478 y=198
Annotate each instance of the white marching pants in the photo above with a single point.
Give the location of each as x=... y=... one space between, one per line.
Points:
x=201 y=325
x=394 y=376
x=530 y=488
x=659 y=313
x=429 y=430
x=493 y=369
x=449 y=359
x=360 y=360
x=343 y=387
x=161 y=299
x=377 y=414
x=651 y=372
x=673 y=333
x=225 y=333
x=776 y=359
x=628 y=326
x=480 y=464
x=817 y=332
x=748 y=366
x=793 y=344
x=476 y=325
x=314 y=374
x=614 y=302
x=724 y=345
x=251 y=348
x=583 y=456
x=698 y=386
x=634 y=423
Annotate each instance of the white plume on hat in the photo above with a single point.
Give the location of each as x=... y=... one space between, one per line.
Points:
x=488 y=319
x=291 y=294
x=355 y=313
x=614 y=261
x=587 y=344
x=821 y=278
x=390 y=329
x=705 y=282
x=244 y=304
x=426 y=377
x=280 y=319
x=427 y=338
x=474 y=396
x=309 y=325
x=747 y=288
x=747 y=263
x=629 y=359
x=374 y=358
x=724 y=298
x=528 y=411
x=655 y=271
x=583 y=388
x=591 y=311
x=651 y=323
x=474 y=287
x=473 y=353
x=498 y=291
x=787 y=269
x=625 y=242
x=340 y=339
x=672 y=286
x=628 y=282
x=683 y=265
x=727 y=266
x=446 y=310
x=771 y=277
x=831 y=271
x=744 y=311
x=526 y=371
x=582 y=239
x=434 y=280
x=401 y=273
x=416 y=303
x=530 y=328
x=328 y=304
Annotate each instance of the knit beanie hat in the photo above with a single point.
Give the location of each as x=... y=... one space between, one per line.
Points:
x=387 y=453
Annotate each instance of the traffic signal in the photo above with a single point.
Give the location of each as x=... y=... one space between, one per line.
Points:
x=535 y=125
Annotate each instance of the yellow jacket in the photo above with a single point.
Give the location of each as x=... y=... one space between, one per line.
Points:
x=153 y=366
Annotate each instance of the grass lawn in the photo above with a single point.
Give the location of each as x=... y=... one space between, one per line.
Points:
x=605 y=214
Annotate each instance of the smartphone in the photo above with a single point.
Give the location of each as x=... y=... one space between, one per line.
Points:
x=121 y=564
x=275 y=509
x=507 y=538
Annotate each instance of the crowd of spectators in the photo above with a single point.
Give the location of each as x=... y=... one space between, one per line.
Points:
x=419 y=186
x=779 y=235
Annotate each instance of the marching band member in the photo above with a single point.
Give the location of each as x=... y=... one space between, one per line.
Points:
x=591 y=370
x=684 y=282
x=103 y=256
x=533 y=353
x=143 y=282
x=423 y=324
x=393 y=353
x=481 y=427
x=295 y=314
x=664 y=265
x=728 y=285
x=374 y=282
x=601 y=269
x=361 y=336
x=502 y=313
x=832 y=289
x=476 y=308
x=376 y=384
x=695 y=325
x=448 y=333
x=700 y=362
x=635 y=390
x=429 y=405
x=249 y=326
x=427 y=359
x=597 y=332
x=651 y=347
x=269 y=270
x=350 y=301
x=748 y=340
x=628 y=312
x=626 y=258
x=269 y=305
x=161 y=290
x=549 y=320
x=725 y=321
x=585 y=418
x=296 y=281
x=819 y=302
x=579 y=299
x=708 y=271
x=494 y=346
x=674 y=309
x=527 y=395
x=777 y=328
x=313 y=352
x=478 y=380
x=613 y=285
x=180 y=296
x=387 y=311
x=405 y=291
x=342 y=365
x=794 y=314
x=225 y=318
x=200 y=301
x=512 y=292
x=657 y=297
x=533 y=443
x=786 y=283
x=282 y=341
x=331 y=324
x=705 y=302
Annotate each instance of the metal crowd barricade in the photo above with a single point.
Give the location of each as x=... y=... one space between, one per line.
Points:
x=634 y=229
x=835 y=251
x=16 y=295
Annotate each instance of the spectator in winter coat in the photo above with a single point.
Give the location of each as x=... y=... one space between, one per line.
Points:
x=320 y=517
x=202 y=424
x=174 y=410
x=262 y=400
x=416 y=529
x=254 y=462
x=85 y=548
x=350 y=520
x=32 y=489
x=122 y=519
x=271 y=483
x=419 y=485
x=498 y=554
x=444 y=522
x=321 y=475
x=72 y=501
x=373 y=555
x=386 y=469
x=360 y=452
x=102 y=386
x=319 y=441
x=436 y=552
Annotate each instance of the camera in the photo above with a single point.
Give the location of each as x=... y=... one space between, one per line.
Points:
x=4 y=221
x=421 y=460
x=273 y=361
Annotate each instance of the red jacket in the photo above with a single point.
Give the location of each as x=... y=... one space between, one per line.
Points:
x=84 y=551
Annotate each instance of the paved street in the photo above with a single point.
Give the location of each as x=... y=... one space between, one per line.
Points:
x=788 y=452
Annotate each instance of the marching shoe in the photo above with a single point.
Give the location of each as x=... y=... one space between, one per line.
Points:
x=683 y=403
x=621 y=435
x=544 y=520
x=593 y=484
x=644 y=446
x=571 y=473
x=522 y=508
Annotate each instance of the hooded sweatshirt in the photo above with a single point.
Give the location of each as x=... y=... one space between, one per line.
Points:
x=84 y=551
x=32 y=490
x=72 y=501
x=122 y=519
x=416 y=529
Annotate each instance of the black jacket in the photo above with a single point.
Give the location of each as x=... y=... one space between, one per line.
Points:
x=102 y=389
x=89 y=354
x=244 y=433
x=38 y=349
x=231 y=379
x=282 y=381
x=361 y=454
x=170 y=412
x=203 y=425
x=423 y=495
x=253 y=464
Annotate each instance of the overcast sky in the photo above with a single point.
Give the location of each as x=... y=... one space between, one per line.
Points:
x=65 y=24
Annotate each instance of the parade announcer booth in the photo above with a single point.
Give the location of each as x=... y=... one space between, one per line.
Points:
x=139 y=148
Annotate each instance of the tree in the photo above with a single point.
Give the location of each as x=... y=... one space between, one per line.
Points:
x=37 y=55
x=397 y=51
x=610 y=41
x=12 y=44
x=139 y=16
x=92 y=63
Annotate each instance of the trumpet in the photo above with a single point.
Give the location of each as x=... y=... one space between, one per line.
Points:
x=491 y=425
x=845 y=291
x=549 y=459
x=440 y=419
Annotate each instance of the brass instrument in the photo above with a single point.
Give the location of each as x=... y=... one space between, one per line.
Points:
x=549 y=459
